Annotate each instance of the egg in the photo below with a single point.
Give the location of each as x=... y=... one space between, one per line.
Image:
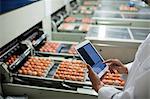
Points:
x=110 y=82
x=39 y=73
x=20 y=71
x=122 y=83
x=62 y=76
x=22 y=68
x=73 y=78
x=29 y=72
x=79 y=78
x=24 y=72
x=34 y=73
x=71 y=70
x=67 y=77
x=56 y=76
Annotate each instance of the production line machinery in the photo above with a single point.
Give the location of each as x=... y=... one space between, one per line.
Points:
x=123 y=41
x=65 y=27
x=40 y=68
x=122 y=19
x=84 y=8
x=30 y=71
x=138 y=7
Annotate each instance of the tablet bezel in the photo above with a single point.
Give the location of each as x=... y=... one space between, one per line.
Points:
x=85 y=43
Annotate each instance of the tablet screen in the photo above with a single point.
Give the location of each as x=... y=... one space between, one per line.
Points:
x=92 y=58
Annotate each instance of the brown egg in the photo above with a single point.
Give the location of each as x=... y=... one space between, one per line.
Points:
x=58 y=72
x=56 y=76
x=29 y=72
x=79 y=78
x=32 y=69
x=39 y=73
x=43 y=74
x=73 y=78
x=122 y=83
x=110 y=82
x=22 y=68
x=7 y=63
x=65 y=73
x=24 y=72
x=62 y=76
x=34 y=73
x=43 y=68
x=38 y=67
x=20 y=71
x=81 y=74
x=67 y=77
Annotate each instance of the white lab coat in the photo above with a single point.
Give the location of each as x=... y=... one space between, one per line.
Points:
x=138 y=81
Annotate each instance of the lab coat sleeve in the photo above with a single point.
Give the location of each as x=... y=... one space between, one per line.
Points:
x=113 y=93
x=107 y=92
x=129 y=65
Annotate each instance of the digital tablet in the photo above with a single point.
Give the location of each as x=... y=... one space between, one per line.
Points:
x=89 y=55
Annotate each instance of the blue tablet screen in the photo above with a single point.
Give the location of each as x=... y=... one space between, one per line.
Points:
x=92 y=58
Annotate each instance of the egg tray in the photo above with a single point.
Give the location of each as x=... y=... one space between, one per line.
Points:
x=90 y=3
x=74 y=29
x=42 y=44
x=49 y=81
x=87 y=12
x=74 y=81
x=88 y=8
x=79 y=20
x=45 y=74
x=83 y=13
x=62 y=50
x=136 y=9
x=114 y=81
x=13 y=53
x=84 y=25
x=11 y=59
x=67 y=27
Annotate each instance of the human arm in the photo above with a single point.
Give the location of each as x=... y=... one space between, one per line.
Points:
x=96 y=83
x=113 y=93
x=103 y=91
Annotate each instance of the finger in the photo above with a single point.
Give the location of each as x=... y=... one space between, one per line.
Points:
x=88 y=67
x=112 y=71
x=110 y=64
x=108 y=61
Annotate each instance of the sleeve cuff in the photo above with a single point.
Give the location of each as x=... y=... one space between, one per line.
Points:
x=107 y=92
x=129 y=66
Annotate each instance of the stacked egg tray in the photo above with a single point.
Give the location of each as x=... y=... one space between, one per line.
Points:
x=128 y=8
x=85 y=20
x=113 y=79
x=55 y=74
x=90 y=3
x=11 y=59
x=85 y=12
x=57 y=48
x=87 y=9
x=12 y=56
x=35 y=66
x=70 y=71
x=77 y=28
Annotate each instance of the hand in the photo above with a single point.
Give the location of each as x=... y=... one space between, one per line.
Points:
x=96 y=83
x=115 y=64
